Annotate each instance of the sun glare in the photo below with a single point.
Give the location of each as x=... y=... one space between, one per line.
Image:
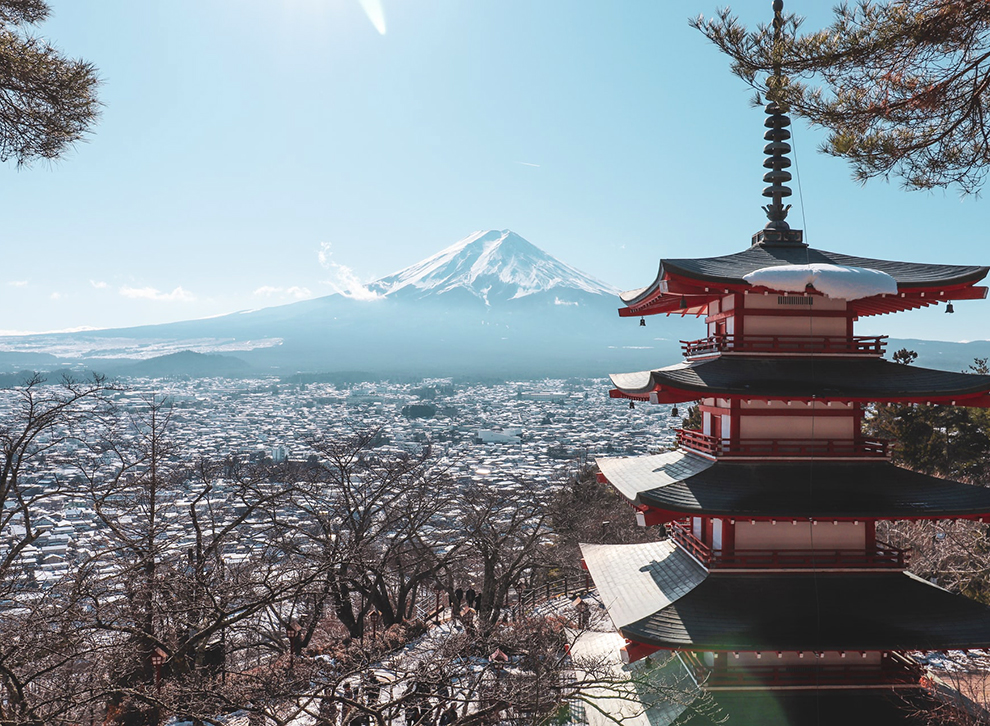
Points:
x=376 y=14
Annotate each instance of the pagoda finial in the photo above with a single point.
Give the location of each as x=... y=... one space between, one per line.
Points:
x=777 y=231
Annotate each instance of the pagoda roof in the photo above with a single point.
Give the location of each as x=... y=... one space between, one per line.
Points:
x=730 y=269
x=686 y=484
x=822 y=378
x=696 y=610
x=814 y=612
x=876 y=707
x=637 y=580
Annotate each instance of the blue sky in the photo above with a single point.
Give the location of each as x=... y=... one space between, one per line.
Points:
x=242 y=138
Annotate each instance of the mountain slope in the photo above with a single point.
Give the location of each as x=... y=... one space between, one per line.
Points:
x=491 y=304
x=494 y=266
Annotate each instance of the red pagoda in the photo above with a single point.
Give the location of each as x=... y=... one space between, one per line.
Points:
x=773 y=588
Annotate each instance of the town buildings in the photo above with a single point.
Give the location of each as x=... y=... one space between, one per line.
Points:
x=497 y=433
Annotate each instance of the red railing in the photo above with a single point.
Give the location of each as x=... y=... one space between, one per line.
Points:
x=782 y=448
x=681 y=533
x=882 y=555
x=894 y=669
x=794 y=344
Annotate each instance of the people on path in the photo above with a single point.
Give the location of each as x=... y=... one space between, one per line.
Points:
x=584 y=613
x=455 y=603
x=347 y=709
x=372 y=686
x=467 y=618
x=418 y=704
x=327 y=715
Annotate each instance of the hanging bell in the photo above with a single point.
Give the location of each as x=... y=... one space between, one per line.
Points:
x=683 y=303
x=673 y=412
x=949 y=308
x=642 y=322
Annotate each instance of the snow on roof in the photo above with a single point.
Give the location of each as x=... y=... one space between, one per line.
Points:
x=634 y=474
x=637 y=580
x=833 y=281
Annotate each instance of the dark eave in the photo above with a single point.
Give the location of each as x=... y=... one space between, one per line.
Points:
x=730 y=269
x=815 y=612
x=876 y=707
x=827 y=490
x=802 y=379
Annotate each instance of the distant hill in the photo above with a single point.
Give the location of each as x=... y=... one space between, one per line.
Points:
x=942 y=354
x=17 y=378
x=16 y=361
x=186 y=363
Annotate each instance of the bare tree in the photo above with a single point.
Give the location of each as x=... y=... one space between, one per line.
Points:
x=40 y=420
x=47 y=658
x=196 y=573
x=519 y=672
x=953 y=554
x=505 y=530
x=379 y=525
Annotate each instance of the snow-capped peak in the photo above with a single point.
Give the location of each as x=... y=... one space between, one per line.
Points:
x=493 y=265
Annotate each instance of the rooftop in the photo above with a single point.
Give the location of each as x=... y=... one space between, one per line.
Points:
x=815 y=612
x=837 y=379
x=688 y=484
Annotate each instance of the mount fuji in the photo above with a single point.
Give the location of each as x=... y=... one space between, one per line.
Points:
x=494 y=267
x=492 y=304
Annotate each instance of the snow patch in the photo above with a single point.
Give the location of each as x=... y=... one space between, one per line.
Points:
x=492 y=265
x=132 y=348
x=833 y=281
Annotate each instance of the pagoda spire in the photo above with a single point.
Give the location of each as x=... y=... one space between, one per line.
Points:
x=777 y=231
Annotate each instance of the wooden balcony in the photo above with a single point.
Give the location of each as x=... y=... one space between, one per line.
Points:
x=894 y=669
x=862 y=447
x=883 y=555
x=785 y=345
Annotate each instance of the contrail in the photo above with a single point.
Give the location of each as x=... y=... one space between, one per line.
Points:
x=526 y=163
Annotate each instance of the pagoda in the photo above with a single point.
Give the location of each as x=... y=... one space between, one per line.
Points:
x=773 y=588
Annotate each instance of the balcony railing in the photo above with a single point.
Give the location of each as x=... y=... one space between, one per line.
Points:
x=883 y=555
x=786 y=344
x=894 y=669
x=863 y=446
x=681 y=533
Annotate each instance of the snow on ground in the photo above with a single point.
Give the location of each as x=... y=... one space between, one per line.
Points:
x=135 y=348
x=833 y=281
x=956 y=661
x=397 y=672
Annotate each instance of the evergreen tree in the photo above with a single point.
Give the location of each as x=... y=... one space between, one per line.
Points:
x=47 y=101
x=900 y=86
x=947 y=441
